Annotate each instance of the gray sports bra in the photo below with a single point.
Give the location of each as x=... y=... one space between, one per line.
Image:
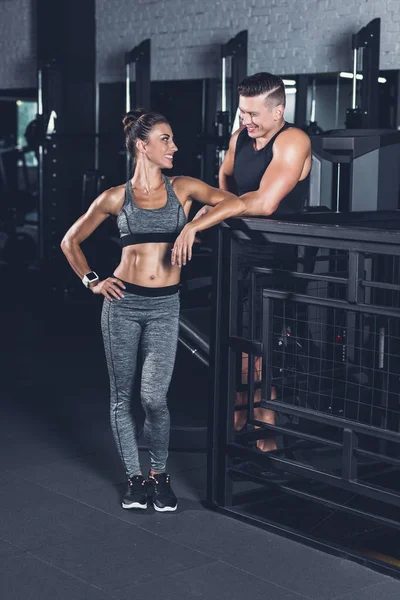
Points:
x=140 y=225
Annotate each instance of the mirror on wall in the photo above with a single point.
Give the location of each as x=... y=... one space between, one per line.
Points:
x=323 y=98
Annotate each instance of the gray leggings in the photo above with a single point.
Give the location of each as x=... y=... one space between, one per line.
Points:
x=153 y=321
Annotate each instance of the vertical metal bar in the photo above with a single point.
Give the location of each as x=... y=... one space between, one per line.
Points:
x=354 y=289
x=354 y=95
x=127 y=109
x=337 y=101
x=381 y=347
x=218 y=373
x=203 y=128
x=313 y=101
x=250 y=362
x=338 y=189
x=40 y=167
x=224 y=370
x=356 y=273
x=229 y=400
x=40 y=91
x=349 y=459
x=266 y=339
x=223 y=85
x=127 y=88
x=97 y=126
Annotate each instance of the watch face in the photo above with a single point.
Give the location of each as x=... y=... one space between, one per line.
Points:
x=91 y=276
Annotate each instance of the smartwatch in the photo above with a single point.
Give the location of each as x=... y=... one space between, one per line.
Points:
x=89 y=278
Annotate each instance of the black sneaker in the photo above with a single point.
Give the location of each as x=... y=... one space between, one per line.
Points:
x=135 y=495
x=164 y=499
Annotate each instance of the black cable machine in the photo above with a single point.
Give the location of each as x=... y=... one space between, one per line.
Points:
x=355 y=170
x=140 y=57
x=233 y=71
x=195 y=321
x=363 y=113
x=194 y=333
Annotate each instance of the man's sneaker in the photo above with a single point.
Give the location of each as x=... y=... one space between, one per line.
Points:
x=164 y=499
x=135 y=495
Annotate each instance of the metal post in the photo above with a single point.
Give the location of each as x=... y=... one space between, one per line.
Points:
x=140 y=56
x=97 y=127
x=127 y=88
x=338 y=189
x=223 y=85
x=337 y=101
x=40 y=167
x=314 y=90
x=354 y=95
x=127 y=109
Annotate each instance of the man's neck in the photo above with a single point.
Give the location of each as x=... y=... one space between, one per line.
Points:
x=261 y=142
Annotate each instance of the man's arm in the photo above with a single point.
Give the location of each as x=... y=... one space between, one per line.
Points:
x=225 y=174
x=291 y=151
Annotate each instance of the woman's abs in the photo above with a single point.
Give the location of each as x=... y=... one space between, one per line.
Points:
x=148 y=265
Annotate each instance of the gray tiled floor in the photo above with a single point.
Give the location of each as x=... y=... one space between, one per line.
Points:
x=63 y=536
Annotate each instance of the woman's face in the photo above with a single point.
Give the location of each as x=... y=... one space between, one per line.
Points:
x=160 y=147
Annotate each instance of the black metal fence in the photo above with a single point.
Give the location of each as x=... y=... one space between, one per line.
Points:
x=306 y=354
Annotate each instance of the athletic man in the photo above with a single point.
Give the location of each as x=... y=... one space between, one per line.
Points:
x=267 y=164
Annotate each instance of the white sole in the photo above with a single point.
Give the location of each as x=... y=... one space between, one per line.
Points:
x=166 y=509
x=134 y=505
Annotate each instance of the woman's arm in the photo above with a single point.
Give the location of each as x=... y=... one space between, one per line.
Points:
x=226 y=205
x=98 y=212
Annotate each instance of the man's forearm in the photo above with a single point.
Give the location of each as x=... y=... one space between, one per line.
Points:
x=257 y=206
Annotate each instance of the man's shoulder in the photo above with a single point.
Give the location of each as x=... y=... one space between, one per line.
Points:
x=293 y=133
x=292 y=137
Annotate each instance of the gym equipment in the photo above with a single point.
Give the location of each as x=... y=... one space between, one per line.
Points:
x=8 y=154
x=363 y=113
x=343 y=430
x=312 y=127
x=93 y=183
x=355 y=170
x=235 y=52
x=19 y=248
x=140 y=57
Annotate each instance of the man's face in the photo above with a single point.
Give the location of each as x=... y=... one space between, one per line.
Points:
x=258 y=116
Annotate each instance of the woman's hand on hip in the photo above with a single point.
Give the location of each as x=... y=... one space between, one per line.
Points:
x=110 y=288
x=182 y=250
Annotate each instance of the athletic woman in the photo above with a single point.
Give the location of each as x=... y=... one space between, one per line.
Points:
x=141 y=298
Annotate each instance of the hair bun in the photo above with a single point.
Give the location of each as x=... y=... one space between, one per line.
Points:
x=132 y=117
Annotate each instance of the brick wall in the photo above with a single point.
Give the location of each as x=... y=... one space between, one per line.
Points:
x=17 y=44
x=285 y=36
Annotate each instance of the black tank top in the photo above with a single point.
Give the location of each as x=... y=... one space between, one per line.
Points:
x=250 y=165
x=249 y=168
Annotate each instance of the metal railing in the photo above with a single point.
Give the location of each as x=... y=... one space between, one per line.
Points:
x=322 y=330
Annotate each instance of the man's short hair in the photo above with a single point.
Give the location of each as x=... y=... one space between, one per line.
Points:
x=264 y=83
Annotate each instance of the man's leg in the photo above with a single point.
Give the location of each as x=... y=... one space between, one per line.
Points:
x=260 y=414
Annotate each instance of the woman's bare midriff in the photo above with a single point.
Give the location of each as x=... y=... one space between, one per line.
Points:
x=148 y=265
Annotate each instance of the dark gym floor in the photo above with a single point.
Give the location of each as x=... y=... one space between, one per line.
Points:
x=63 y=535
